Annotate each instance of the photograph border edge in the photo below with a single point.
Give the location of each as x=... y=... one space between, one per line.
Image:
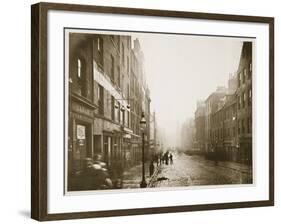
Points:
x=39 y=110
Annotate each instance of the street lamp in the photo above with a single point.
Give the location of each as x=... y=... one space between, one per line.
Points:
x=143 y=183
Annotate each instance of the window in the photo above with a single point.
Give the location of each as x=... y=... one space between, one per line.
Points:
x=128 y=43
x=118 y=77
x=123 y=54
x=244 y=99
x=122 y=116
x=112 y=68
x=100 y=100
x=118 y=42
x=239 y=102
x=100 y=52
x=99 y=47
x=79 y=67
x=250 y=71
x=112 y=108
x=243 y=126
x=128 y=118
x=245 y=75
x=239 y=78
x=128 y=65
x=119 y=112
x=81 y=79
x=239 y=130
x=250 y=97
x=249 y=125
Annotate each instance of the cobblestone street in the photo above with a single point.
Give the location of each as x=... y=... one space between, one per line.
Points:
x=195 y=170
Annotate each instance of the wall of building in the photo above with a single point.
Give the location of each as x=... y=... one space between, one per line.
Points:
x=244 y=105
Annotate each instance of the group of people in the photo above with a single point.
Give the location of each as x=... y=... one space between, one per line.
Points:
x=93 y=175
x=159 y=159
x=165 y=158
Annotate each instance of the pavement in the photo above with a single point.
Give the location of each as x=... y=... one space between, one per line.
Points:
x=189 y=171
x=133 y=176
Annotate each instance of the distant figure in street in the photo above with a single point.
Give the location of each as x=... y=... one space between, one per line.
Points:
x=171 y=158
x=162 y=159
x=151 y=168
x=156 y=159
x=167 y=159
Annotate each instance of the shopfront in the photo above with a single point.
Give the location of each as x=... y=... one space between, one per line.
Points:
x=80 y=140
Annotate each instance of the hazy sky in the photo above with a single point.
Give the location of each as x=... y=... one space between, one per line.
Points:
x=183 y=69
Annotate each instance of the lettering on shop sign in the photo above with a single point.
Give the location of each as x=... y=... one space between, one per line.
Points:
x=82 y=110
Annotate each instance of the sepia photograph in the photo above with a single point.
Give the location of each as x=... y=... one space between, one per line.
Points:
x=157 y=110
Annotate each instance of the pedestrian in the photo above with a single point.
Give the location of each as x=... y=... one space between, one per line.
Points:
x=151 y=168
x=166 y=158
x=171 y=158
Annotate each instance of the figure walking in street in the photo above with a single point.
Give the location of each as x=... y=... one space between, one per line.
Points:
x=151 y=168
x=171 y=158
x=162 y=159
x=167 y=158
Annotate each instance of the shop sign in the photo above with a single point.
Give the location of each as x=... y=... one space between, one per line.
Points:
x=81 y=131
x=82 y=110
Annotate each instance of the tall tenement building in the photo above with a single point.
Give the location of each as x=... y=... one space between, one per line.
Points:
x=244 y=103
x=107 y=94
x=200 y=114
x=212 y=104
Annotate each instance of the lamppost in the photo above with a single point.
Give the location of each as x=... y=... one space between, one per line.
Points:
x=143 y=183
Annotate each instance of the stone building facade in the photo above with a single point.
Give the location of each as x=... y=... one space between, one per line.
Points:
x=200 y=114
x=212 y=104
x=244 y=103
x=224 y=129
x=107 y=94
x=81 y=104
x=228 y=115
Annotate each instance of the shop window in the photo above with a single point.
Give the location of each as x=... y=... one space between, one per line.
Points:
x=97 y=144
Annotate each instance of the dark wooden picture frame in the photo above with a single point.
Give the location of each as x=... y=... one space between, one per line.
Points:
x=39 y=106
